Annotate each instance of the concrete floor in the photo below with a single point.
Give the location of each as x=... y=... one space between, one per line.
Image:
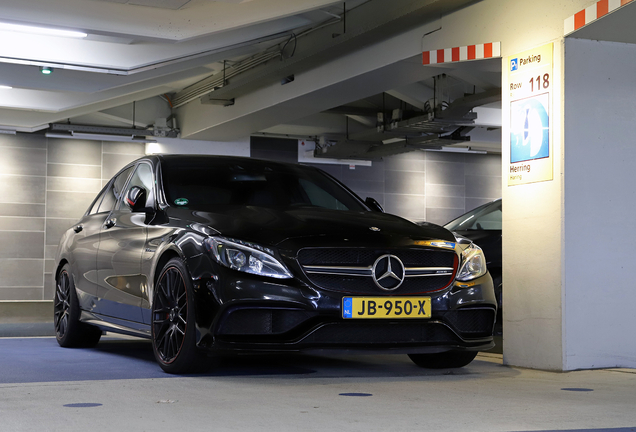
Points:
x=117 y=386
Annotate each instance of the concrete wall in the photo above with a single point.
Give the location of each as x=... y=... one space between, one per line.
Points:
x=46 y=184
x=599 y=202
x=431 y=186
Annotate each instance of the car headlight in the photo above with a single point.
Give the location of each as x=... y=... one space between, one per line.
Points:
x=246 y=257
x=473 y=263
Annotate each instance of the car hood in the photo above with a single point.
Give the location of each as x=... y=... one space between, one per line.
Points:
x=305 y=226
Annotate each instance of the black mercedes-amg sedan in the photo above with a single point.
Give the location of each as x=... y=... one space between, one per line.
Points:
x=209 y=255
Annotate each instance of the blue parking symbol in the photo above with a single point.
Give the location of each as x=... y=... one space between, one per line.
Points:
x=347 y=308
x=514 y=64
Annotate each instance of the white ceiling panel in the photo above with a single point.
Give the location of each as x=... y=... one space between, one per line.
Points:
x=163 y=4
x=196 y=18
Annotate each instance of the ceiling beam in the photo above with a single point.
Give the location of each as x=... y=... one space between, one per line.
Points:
x=370 y=150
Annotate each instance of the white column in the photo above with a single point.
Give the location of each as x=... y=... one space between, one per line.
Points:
x=533 y=246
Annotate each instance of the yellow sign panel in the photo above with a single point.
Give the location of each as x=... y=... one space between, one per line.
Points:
x=530 y=85
x=386 y=307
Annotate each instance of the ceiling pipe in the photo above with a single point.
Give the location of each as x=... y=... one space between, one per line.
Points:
x=368 y=23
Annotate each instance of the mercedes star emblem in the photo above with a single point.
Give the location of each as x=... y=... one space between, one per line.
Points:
x=388 y=272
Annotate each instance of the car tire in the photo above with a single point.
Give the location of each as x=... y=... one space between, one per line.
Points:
x=443 y=360
x=70 y=332
x=173 y=321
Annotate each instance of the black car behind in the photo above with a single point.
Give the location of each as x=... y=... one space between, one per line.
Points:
x=483 y=226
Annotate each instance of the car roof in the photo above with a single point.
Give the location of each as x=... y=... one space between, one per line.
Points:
x=198 y=158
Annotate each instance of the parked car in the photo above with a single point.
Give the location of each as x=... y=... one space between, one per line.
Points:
x=211 y=255
x=483 y=226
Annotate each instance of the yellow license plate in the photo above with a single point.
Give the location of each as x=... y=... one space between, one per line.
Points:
x=386 y=307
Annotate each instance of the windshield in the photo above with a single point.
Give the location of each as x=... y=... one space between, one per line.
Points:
x=486 y=217
x=208 y=183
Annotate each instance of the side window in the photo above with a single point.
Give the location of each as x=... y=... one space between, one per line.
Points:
x=97 y=202
x=142 y=178
x=113 y=192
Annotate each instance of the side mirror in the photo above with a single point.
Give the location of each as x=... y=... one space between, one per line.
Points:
x=136 y=199
x=373 y=205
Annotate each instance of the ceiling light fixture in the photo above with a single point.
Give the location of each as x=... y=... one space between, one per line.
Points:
x=101 y=137
x=106 y=137
x=46 y=70
x=41 y=30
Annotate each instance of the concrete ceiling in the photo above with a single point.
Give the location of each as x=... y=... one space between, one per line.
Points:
x=149 y=59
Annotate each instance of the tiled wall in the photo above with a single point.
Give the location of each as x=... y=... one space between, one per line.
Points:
x=46 y=184
x=431 y=186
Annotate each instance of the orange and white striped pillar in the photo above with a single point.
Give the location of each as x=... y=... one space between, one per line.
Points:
x=463 y=53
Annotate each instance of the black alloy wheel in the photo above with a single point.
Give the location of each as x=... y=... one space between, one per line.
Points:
x=62 y=304
x=173 y=330
x=443 y=360
x=69 y=331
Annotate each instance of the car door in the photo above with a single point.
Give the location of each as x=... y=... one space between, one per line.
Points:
x=84 y=249
x=118 y=257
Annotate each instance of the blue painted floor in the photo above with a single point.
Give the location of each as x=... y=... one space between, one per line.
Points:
x=29 y=360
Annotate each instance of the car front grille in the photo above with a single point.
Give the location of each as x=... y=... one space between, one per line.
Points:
x=350 y=270
x=364 y=256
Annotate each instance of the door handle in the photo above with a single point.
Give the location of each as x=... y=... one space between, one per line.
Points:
x=109 y=223
x=78 y=228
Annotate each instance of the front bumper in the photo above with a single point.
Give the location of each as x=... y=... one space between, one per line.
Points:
x=410 y=336
x=241 y=312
